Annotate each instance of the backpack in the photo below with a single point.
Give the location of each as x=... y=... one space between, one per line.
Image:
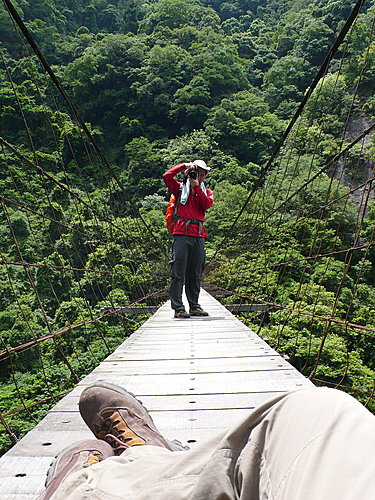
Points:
x=171 y=212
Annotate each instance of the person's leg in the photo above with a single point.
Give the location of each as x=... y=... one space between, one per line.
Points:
x=114 y=415
x=194 y=269
x=119 y=422
x=315 y=444
x=75 y=458
x=178 y=271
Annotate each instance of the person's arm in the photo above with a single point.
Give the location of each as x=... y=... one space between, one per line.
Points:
x=205 y=200
x=169 y=178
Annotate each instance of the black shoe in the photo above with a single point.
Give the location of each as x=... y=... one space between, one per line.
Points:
x=198 y=311
x=181 y=314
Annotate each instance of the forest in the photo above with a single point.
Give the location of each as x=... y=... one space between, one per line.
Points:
x=157 y=82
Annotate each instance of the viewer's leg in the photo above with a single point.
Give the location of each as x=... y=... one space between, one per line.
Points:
x=120 y=422
x=315 y=444
x=75 y=458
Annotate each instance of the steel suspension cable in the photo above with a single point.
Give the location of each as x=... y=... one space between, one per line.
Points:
x=340 y=38
x=13 y=12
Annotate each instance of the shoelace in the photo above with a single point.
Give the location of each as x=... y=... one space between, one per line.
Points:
x=94 y=457
x=117 y=433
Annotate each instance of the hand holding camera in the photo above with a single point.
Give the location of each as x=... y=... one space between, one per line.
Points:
x=193 y=174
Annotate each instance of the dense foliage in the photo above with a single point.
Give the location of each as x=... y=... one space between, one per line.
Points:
x=159 y=82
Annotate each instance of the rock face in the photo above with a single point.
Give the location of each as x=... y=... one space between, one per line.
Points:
x=357 y=170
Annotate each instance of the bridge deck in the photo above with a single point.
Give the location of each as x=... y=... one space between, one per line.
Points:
x=195 y=376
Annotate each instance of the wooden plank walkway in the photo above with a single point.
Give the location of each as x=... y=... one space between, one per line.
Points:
x=195 y=376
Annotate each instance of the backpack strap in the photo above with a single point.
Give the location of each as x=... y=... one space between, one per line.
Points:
x=177 y=203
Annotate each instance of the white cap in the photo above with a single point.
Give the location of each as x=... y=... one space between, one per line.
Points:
x=201 y=164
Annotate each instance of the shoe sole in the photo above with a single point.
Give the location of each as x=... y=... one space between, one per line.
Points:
x=175 y=444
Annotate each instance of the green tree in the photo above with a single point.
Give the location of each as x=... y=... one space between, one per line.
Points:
x=286 y=81
x=144 y=168
x=243 y=126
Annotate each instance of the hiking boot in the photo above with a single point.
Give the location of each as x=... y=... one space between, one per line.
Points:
x=198 y=311
x=72 y=459
x=181 y=314
x=116 y=416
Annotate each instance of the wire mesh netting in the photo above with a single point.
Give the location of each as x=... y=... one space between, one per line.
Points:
x=306 y=230
x=75 y=251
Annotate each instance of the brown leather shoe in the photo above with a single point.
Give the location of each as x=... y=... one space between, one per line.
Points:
x=181 y=314
x=116 y=416
x=74 y=458
x=198 y=311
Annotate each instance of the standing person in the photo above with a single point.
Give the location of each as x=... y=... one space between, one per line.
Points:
x=189 y=234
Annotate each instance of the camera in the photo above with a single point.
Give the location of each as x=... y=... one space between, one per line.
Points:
x=193 y=174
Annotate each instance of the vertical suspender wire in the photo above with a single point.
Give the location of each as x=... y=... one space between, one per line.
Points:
x=284 y=136
x=29 y=133
x=290 y=184
x=66 y=98
x=282 y=213
x=46 y=191
x=359 y=222
x=33 y=285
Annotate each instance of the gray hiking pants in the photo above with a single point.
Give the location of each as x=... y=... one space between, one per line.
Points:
x=314 y=444
x=188 y=260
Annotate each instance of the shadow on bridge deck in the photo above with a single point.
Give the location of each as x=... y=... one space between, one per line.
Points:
x=195 y=376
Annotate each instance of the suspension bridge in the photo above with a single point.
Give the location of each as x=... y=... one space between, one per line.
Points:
x=82 y=282
x=195 y=377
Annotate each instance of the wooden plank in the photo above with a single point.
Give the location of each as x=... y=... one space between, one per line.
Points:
x=236 y=308
x=45 y=443
x=205 y=383
x=22 y=477
x=130 y=310
x=157 y=403
x=161 y=354
x=196 y=377
x=199 y=365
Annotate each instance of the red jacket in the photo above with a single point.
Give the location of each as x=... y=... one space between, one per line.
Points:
x=195 y=207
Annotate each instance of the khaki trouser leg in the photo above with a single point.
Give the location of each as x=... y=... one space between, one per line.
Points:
x=316 y=444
